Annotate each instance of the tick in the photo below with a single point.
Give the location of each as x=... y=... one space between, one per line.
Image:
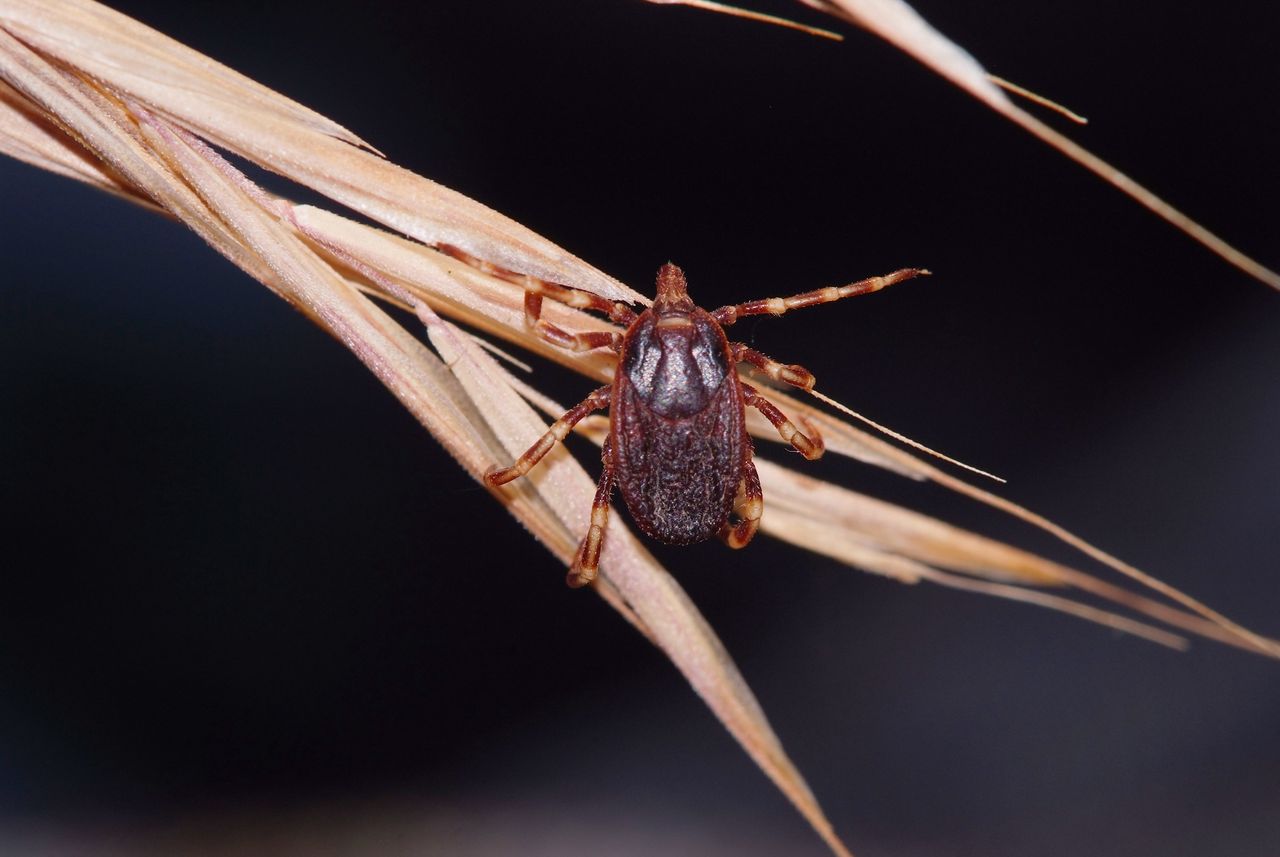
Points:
x=678 y=447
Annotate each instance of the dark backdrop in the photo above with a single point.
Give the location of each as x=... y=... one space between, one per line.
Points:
x=216 y=633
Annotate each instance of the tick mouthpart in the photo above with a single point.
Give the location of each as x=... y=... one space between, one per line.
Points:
x=672 y=288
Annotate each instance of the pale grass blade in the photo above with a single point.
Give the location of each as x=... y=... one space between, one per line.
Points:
x=104 y=110
x=899 y=24
x=495 y=306
x=673 y=622
x=468 y=408
x=842 y=437
x=247 y=119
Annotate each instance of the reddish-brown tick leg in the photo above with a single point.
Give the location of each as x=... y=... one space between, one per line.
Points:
x=810 y=446
x=618 y=312
x=587 y=560
x=561 y=337
x=748 y=506
x=727 y=315
x=797 y=376
x=559 y=431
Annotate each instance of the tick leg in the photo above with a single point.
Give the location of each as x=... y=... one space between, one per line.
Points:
x=561 y=337
x=797 y=376
x=727 y=315
x=587 y=560
x=810 y=446
x=559 y=431
x=748 y=506
x=620 y=313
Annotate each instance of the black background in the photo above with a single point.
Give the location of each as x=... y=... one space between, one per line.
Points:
x=251 y=606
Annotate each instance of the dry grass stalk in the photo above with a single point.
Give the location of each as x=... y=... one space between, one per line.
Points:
x=90 y=94
x=900 y=25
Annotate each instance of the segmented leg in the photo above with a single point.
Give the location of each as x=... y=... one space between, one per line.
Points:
x=748 y=506
x=587 y=560
x=559 y=336
x=559 y=431
x=618 y=312
x=793 y=374
x=727 y=315
x=810 y=446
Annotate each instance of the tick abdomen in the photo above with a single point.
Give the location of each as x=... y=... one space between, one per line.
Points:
x=678 y=427
x=679 y=476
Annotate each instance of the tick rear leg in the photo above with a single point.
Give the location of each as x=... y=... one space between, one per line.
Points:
x=587 y=560
x=727 y=315
x=797 y=376
x=559 y=431
x=810 y=445
x=536 y=289
x=748 y=506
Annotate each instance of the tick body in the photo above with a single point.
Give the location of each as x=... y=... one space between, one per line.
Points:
x=677 y=434
x=678 y=449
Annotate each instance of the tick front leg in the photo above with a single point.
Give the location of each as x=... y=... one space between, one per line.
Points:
x=727 y=315
x=619 y=313
x=748 y=506
x=793 y=374
x=587 y=560
x=810 y=446
x=559 y=431
x=561 y=337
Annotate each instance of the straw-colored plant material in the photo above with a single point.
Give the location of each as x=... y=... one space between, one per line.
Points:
x=93 y=95
x=900 y=25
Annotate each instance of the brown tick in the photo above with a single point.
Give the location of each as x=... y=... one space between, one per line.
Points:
x=678 y=447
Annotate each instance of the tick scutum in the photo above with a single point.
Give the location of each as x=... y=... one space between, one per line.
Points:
x=678 y=434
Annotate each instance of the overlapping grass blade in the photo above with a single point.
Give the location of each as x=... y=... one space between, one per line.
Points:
x=95 y=96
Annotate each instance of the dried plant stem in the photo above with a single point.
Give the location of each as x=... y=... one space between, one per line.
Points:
x=90 y=94
x=896 y=22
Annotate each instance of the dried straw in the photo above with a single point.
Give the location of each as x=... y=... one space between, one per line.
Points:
x=93 y=95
